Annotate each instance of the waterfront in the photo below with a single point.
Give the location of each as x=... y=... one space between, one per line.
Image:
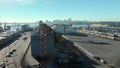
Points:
x=15 y=26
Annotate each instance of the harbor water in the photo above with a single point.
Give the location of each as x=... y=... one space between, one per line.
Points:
x=19 y=26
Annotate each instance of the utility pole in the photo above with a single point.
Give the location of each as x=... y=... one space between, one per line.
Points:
x=5 y=27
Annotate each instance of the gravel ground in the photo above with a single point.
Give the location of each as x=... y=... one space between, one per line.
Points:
x=105 y=48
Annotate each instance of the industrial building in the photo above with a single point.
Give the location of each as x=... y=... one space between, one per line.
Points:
x=26 y=28
x=1 y=29
x=8 y=28
x=63 y=28
x=35 y=44
x=42 y=42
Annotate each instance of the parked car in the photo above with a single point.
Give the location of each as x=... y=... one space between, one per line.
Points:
x=7 y=55
x=25 y=38
x=10 y=52
x=13 y=50
x=2 y=65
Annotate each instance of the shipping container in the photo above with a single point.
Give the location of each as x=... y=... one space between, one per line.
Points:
x=109 y=34
x=110 y=37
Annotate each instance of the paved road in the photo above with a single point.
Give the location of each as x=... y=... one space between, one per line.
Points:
x=20 y=45
x=29 y=60
x=105 y=48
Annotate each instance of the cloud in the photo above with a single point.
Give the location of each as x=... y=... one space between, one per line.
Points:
x=5 y=2
x=47 y=2
x=24 y=2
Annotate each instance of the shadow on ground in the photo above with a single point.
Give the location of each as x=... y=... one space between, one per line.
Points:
x=77 y=34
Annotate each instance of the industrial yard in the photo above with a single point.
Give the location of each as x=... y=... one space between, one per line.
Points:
x=53 y=47
x=91 y=45
x=59 y=33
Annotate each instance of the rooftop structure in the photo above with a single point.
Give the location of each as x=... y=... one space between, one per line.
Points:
x=63 y=28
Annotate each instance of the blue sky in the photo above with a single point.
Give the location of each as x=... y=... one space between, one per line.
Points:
x=34 y=10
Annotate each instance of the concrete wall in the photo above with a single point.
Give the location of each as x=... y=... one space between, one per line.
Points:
x=35 y=45
x=50 y=42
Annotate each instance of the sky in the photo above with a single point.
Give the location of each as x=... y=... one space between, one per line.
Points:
x=34 y=10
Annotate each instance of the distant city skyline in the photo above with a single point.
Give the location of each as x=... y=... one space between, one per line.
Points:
x=35 y=10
